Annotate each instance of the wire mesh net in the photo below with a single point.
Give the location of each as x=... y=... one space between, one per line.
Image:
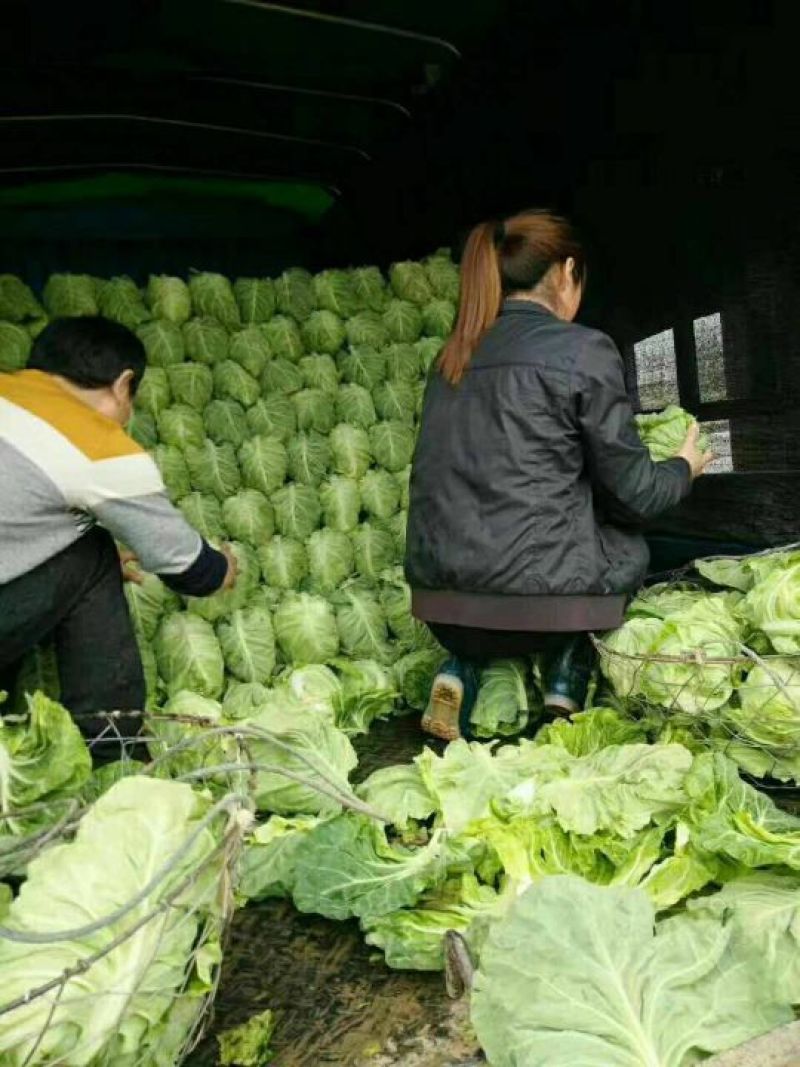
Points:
x=743 y=699
x=133 y=981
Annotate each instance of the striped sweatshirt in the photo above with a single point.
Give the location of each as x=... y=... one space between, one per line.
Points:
x=65 y=467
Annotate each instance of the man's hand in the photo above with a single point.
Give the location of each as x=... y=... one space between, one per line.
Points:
x=233 y=567
x=130 y=564
x=693 y=454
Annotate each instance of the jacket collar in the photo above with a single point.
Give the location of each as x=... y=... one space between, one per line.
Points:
x=529 y=307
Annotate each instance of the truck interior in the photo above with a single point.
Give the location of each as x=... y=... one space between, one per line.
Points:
x=246 y=137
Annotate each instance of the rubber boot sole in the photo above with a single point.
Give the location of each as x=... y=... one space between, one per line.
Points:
x=441 y=718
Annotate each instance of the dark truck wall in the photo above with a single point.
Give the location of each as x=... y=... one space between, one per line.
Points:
x=667 y=131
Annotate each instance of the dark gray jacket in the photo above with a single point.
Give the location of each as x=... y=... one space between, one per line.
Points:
x=529 y=477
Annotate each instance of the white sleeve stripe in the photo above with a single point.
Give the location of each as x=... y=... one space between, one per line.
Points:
x=122 y=478
x=46 y=448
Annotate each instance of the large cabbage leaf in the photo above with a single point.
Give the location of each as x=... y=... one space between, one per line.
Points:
x=168 y=298
x=263 y=463
x=189 y=656
x=15 y=347
x=118 y=1009
x=206 y=340
x=350 y=447
x=305 y=627
x=503 y=704
x=255 y=298
x=43 y=760
x=247 y=641
x=213 y=469
x=346 y=867
x=120 y=299
x=212 y=296
x=284 y=562
x=663 y=432
x=578 y=973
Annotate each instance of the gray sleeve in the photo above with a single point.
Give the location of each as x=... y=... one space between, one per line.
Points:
x=153 y=528
x=634 y=487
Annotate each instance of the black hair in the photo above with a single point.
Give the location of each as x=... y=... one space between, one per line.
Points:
x=89 y=351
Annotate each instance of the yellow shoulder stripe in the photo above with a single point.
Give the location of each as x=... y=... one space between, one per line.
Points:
x=96 y=436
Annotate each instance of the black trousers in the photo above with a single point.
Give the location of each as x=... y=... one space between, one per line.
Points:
x=76 y=599
x=667 y=555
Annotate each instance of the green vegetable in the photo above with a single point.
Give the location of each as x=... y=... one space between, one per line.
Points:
x=180 y=426
x=330 y=559
x=212 y=296
x=190 y=383
x=323 y=332
x=206 y=340
x=168 y=298
x=312 y=736
x=43 y=760
x=341 y=503
x=442 y=275
x=502 y=706
x=361 y=621
x=380 y=494
x=263 y=463
x=15 y=347
x=213 y=469
x=297 y=510
x=413 y=938
x=154 y=393
x=17 y=302
x=163 y=342
x=395 y=400
x=773 y=606
x=374 y=550
x=305 y=627
x=205 y=514
x=273 y=416
x=336 y=291
x=309 y=457
x=225 y=422
x=439 y=318
x=370 y=288
x=121 y=300
x=172 y=464
x=189 y=656
x=283 y=337
x=255 y=298
x=346 y=867
x=399 y=793
x=354 y=405
x=351 y=450
x=294 y=294
x=315 y=410
x=664 y=432
x=282 y=378
x=148 y=600
x=70 y=294
x=251 y=350
x=248 y=644
x=364 y=365
x=367 y=693
x=284 y=562
x=415 y=673
x=410 y=282
x=248 y=517
x=320 y=372
x=392 y=444
x=129 y=1004
x=267 y=868
x=232 y=382
x=577 y=973
x=142 y=428
x=403 y=321
x=247 y=1045
x=368 y=329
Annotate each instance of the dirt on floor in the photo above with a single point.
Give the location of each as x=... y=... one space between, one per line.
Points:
x=334 y=999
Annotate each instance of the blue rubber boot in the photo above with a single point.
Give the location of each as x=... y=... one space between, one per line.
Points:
x=567 y=674
x=453 y=695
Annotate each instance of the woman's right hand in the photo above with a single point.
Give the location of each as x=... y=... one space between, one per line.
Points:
x=691 y=451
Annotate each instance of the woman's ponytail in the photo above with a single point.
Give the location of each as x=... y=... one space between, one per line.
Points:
x=481 y=296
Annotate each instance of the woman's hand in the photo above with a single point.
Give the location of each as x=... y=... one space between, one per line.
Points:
x=697 y=459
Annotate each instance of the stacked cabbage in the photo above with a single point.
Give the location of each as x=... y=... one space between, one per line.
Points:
x=282 y=414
